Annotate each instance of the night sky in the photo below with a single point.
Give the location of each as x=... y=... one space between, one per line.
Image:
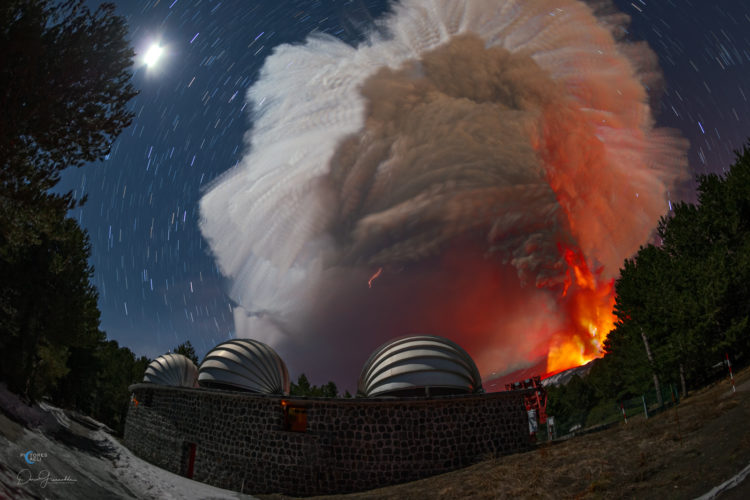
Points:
x=157 y=283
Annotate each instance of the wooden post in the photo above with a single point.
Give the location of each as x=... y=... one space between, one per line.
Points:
x=653 y=368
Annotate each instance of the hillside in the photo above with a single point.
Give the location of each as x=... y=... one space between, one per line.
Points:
x=682 y=453
x=80 y=459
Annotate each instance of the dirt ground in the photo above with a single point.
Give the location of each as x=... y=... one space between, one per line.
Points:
x=681 y=453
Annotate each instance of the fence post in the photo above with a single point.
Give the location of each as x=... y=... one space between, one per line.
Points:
x=551 y=432
x=676 y=415
x=622 y=407
x=645 y=408
x=731 y=377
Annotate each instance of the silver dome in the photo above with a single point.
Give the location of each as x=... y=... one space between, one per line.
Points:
x=172 y=369
x=244 y=364
x=419 y=365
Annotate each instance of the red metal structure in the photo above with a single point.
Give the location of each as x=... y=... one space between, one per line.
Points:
x=536 y=400
x=191 y=461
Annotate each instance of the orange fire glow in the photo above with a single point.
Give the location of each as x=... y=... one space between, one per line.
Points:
x=589 y=302
x=374 y=277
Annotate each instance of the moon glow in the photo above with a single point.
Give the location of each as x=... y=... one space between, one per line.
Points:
x=152 y=56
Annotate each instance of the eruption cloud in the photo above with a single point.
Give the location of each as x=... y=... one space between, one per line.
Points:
x=477 y=169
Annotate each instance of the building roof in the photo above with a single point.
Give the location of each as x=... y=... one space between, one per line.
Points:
x=419 y=365
x=172 y=369
x=244 y=364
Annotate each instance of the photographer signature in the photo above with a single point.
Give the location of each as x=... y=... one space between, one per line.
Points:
x=25 y=476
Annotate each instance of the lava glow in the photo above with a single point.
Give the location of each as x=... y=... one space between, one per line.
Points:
x=589 y=302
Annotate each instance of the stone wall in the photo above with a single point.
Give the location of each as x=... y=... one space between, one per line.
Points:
x=241 y=441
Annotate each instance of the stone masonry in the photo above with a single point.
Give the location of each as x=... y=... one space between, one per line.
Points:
x=241 y=441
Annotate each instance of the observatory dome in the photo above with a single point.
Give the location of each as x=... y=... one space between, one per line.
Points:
x=419 y=365
x=244 y=364
x=172 y=369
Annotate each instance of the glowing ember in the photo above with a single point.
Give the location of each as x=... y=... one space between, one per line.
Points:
x=589 y=303
x=374 y=276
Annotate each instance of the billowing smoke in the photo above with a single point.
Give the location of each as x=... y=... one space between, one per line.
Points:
x=460 y=157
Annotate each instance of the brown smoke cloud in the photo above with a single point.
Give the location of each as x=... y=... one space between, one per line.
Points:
x=447 y=149
x=465 y=155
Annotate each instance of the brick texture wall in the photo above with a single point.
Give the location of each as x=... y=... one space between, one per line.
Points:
x=243 y=442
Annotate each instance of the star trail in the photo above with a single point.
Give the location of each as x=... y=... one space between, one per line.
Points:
x=158 y=284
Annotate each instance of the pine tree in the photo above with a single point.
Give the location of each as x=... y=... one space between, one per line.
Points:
x=187 y=350
x=64 y=71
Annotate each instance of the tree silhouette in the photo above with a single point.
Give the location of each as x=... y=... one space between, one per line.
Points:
x=64 y=74
x=64 y=71
x=304 y=388
x=187 y=350
x=682 y=304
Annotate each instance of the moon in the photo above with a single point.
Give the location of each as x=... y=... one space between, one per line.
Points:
x=152 y=55
x=26 y=456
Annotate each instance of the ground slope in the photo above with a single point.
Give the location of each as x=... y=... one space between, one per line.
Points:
x=684 y=452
